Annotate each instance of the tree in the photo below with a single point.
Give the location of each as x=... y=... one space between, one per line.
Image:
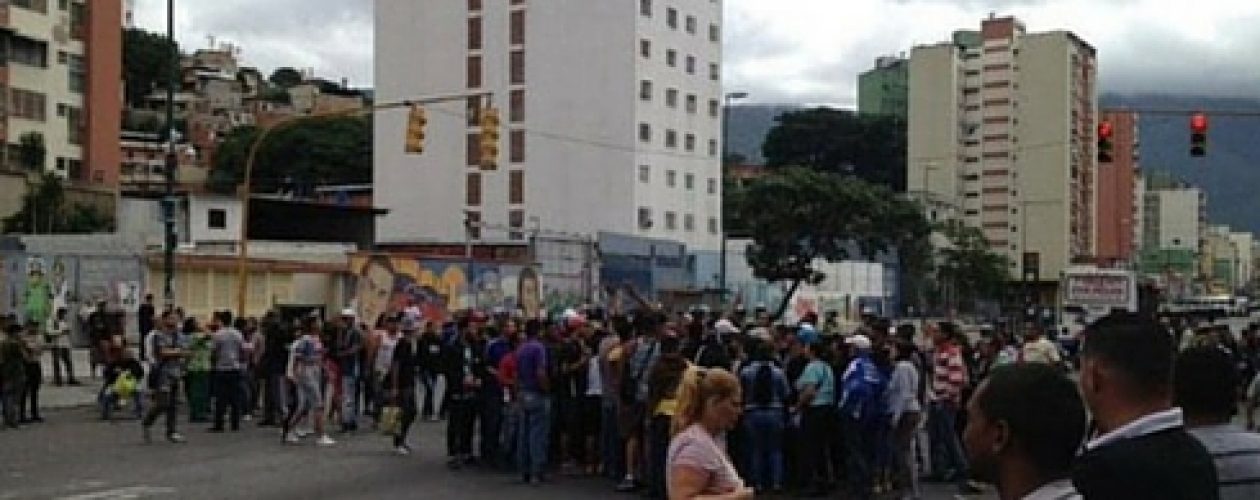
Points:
x=32 y=153
x=871 y=147
x=967 y=269
x=299 y=156
x=148 y=61
x=797 y=217
x=286 y=77
x=44 y=211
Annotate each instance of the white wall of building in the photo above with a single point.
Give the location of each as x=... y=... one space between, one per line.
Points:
x=1180 y=219
x=52 y=80
x=583 y=70
x=201 y=210
x=1243 y=244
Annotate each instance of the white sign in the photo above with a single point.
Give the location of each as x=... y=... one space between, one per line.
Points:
x=129 y=296
x=1098 y=289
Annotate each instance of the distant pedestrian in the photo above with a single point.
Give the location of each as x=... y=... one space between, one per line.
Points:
x=404 y=361
x=1026 y=445
x=1141 y=448
x=228 y=361
x=145 y=317
x=306 y=373
x=57 y=338
x=197 y=384
x=123 y=376
x=1206 y=382
x=170 y=354
x=33 y=344
x=12 y=373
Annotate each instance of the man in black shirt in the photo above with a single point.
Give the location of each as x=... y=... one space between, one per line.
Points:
x=430 y=366
x=402 y=382
x=276 y=337
x=1141 y=448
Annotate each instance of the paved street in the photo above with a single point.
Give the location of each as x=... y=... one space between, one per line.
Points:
x=74 y=457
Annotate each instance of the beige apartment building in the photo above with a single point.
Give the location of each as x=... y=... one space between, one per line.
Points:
x=62 y=80
x=1002 y=126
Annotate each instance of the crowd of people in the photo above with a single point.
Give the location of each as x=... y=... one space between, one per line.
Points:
x=701 y=404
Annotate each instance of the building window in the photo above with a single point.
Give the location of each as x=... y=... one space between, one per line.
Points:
x=671 y=221
x=714 y=73
x=713 y=147
x=28 y=105
x=714 y=33
x=691 y=103
x=35 y=5
x=516 y=146
x=645 y=8
x=645 y=174
x=713 y=225
x=689 y=182
x=517 y=28
x=712 y=186
x=474 y=72
x=217 y=218
x=671 y=178
x=516 y=108
x=645 y=218
x=472 y=108
x=689 y=223
x=671 y=18
x=474 y=33
x=74 y=125
x=473 y=149
x=671 y=138
x=516 y=187
x=28 y=52
x=671 y=58
x=671 y=98
x=645 y=132
x=690 y=24
x=689 y=143
x=691 y=65
x=645 y=48
x=517 y=67
x=516 y=220
x=645 y=90
x=472 y=189
x=713 y=108
x=474 y=5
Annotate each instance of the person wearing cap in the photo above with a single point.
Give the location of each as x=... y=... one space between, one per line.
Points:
x=815 y=409
x=347 y=349
x=861 y=408
x=403 y=361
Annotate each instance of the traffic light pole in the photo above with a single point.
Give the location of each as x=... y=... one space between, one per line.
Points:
x=245 y=191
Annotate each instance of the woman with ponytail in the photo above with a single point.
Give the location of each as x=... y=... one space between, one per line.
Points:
x=709 y=404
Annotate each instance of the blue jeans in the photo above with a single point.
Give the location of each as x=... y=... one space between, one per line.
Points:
x=947 y=453
x=531 y=453
x=349 y=398
x=764 y=428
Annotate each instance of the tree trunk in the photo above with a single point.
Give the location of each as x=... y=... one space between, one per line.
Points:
x=785 y=302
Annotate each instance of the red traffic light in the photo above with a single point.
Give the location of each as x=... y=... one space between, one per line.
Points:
x=1105 y=130
x=1199 y=123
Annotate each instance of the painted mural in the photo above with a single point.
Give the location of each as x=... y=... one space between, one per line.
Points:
x=439 y=287
x=34 y=287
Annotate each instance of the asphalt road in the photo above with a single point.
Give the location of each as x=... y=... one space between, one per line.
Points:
x=74 y=457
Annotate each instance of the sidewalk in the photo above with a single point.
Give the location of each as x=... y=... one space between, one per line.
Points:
x=54 y=398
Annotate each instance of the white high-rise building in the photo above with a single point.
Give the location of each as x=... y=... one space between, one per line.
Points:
x=1001 y=128
x=611 y=118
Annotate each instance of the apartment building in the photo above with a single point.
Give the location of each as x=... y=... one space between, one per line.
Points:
x=611 y=111
x=62 y=78
x=1002 y=128
x=883 y=89
x=1119 y=205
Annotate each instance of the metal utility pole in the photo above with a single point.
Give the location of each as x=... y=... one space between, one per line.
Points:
x=168 y=201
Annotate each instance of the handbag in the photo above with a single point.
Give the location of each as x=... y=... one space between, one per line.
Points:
x=391 y=420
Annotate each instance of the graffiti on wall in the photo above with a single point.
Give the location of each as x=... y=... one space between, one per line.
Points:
x=34 y=287
x=436 y=288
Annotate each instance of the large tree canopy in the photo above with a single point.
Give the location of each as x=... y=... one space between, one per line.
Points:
x=967 y=269
x=286 y=77
x=148 y=61
x=797 y=217
x=299 y=156
x=45 y=210
x=871 y=147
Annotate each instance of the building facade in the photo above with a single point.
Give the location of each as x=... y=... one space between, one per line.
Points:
x=62 y=81
x=1002 y=127
x=1118 y=204
x=884 y=89
x=611 y=113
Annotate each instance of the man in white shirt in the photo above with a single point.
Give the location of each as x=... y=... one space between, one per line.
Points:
x=1039 y=349
x=1025 y=445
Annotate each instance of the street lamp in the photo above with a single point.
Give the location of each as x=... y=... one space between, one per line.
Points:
x=726 y=119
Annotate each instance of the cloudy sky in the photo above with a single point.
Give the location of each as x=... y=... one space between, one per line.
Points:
x=802 y=51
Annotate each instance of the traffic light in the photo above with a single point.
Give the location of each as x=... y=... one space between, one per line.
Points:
x=1198 y=135
x=416 y=122
x=489 y=138
x=1105 y=148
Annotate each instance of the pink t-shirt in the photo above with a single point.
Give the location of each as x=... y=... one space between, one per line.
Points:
x=694 y=447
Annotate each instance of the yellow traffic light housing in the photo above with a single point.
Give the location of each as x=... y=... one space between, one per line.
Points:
x=416 y=121
x=489 y=138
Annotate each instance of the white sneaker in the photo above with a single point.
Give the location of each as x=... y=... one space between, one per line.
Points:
x=301 y=433
x=292 y=438
x=325 y=441
x=402 y=450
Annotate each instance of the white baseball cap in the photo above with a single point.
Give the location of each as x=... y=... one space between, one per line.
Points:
x=347 y=313
x=859 y=341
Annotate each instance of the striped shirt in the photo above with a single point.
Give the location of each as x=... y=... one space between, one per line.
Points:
x=949 y=374
x=1237 y=456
